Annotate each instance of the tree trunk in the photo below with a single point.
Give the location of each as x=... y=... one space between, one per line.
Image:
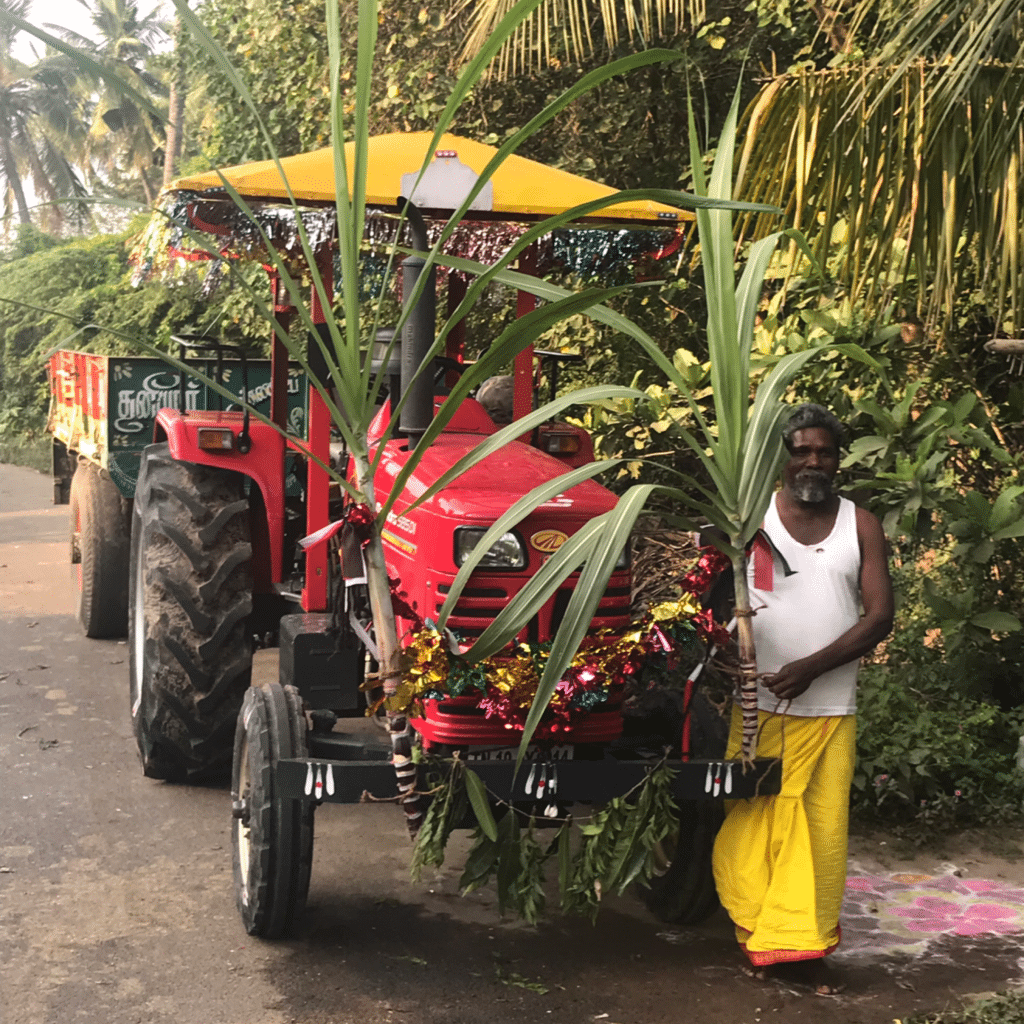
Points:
x=175 y=107
x=147 y=188
x=10 y=169
x=748 y=658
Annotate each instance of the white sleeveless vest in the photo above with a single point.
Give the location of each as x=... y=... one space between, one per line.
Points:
x=806 y=611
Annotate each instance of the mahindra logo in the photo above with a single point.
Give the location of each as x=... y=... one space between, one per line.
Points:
x=548 y=541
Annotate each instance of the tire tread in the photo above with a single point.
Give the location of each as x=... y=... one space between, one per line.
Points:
x=195 y=605
x=102 y=552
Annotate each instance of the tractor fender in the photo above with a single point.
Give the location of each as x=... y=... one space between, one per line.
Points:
x=262 y=464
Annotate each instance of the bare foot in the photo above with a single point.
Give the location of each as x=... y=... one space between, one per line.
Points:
x=815 y=974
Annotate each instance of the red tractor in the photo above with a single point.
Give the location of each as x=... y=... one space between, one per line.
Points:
x=215 y=563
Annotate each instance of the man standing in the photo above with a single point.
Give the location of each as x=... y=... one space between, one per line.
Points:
x=822 y=599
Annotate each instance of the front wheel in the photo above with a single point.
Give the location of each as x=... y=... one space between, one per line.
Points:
x=682 y=889
x=272 y=837
x=100 y=548
x=190 y=598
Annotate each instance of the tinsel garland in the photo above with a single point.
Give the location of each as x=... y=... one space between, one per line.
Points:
x=505 y=685
x=172 y=236
x=189 y=226
x=698 y=581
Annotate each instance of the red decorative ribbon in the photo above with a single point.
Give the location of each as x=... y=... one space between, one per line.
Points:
x=764 y=566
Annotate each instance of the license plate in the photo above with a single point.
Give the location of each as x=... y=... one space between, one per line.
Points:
x=561 y=752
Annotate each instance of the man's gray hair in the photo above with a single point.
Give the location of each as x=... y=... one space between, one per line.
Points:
x=809 y=415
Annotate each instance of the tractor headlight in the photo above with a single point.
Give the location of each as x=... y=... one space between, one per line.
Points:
x=507 y=552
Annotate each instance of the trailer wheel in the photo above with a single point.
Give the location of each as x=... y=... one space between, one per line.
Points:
x=682 y=889
x=272 y=837
x=100 y=549
x=190 y=596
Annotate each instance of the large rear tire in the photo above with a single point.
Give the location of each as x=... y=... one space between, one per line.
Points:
x=272 y=838
x=190 y=597
x=100 y=548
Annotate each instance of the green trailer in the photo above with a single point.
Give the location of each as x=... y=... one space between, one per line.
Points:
x=102 y=411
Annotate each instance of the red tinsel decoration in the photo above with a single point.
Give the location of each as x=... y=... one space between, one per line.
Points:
x=573 y=698
x=360 y=518
x=701 y=576
x=706 y=626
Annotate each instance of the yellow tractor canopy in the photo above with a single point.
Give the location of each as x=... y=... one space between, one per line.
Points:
x=520 y=189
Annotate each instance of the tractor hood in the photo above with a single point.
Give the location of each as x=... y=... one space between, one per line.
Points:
x=487 y=490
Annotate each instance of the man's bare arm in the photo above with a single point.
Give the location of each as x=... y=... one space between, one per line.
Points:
x=874 y=626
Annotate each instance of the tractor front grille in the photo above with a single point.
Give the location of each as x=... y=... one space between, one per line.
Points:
x=478 y=606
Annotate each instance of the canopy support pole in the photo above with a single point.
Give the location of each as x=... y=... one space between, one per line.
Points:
x=314 y=593
x=526 y=302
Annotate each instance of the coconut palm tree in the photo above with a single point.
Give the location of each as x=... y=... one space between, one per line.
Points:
x=123 y=135
x=178 y=92
x=578 y=30
x=39 y=129
x=904 y=168
x=578 y=27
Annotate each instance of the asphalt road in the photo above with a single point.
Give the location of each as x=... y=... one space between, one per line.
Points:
x=116 y=902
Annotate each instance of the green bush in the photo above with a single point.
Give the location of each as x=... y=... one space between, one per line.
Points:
x=52 y=289
x=930 y=755
x=25 y=450
x=936 y=744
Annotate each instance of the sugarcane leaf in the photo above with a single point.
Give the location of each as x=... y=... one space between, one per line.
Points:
x=477 y=794
x=514 y=431
x=535 y=592
x=586 y=596
x=748 y=292
x=516 y=513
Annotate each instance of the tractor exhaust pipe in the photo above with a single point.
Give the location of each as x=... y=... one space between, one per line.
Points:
x=417 y=334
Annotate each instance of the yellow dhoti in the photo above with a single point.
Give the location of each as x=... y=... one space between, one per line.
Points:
x=780 y=861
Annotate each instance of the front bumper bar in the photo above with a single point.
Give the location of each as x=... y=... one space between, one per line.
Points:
x=582 y=781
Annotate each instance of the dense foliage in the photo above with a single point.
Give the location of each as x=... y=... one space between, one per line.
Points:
x=628 y=133
x=64 y=293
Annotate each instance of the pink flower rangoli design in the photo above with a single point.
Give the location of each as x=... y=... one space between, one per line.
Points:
x=903 y=913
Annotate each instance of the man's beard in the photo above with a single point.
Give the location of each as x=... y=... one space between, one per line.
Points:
x=812 y=487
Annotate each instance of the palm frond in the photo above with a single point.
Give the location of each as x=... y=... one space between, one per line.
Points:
x=905 y=179
x=565 y=30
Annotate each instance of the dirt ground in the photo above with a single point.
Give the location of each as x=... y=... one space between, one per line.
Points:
x=117 y=905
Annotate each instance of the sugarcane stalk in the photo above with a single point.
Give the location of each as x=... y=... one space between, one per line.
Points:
x=390 y=665
x=747 y=658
